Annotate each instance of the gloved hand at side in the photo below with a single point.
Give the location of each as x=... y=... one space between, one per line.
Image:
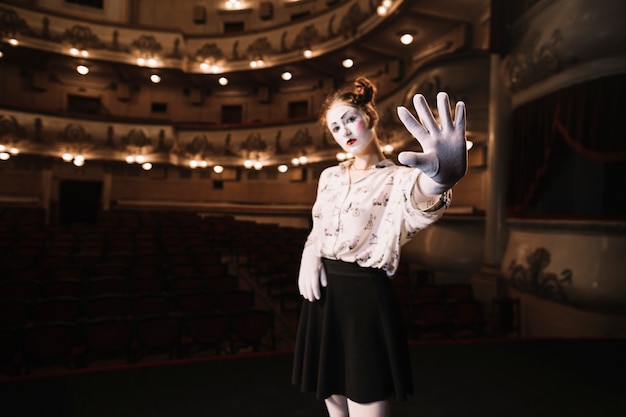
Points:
x=312 y=274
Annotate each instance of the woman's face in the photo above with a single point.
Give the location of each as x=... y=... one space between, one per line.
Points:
x=349 y=127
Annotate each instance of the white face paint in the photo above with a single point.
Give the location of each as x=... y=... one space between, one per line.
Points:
x=349 y=128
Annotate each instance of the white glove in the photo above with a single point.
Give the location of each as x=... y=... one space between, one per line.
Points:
x=444 y=156
x=311 y=275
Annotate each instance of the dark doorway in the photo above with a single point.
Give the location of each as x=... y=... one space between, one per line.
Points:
x=79 y=201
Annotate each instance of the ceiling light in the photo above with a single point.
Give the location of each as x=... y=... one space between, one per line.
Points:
x=79 y=160
x=223 y=81
x=218 y=169
x=303 y=160
x=258 y=165
x=82 y=70
x=406 y=38
x=1 y=54
x=307 y=53
x=67 y=157
x=248 y=163
x=282 y=168
x=347 y=63
x=13 y=42
x=146 y=166
x=155 y=78
x=74 y=51
x=233 y=4
x=130 y=159
x=286 y=76
x=257 y=63
x=381 y=10
x=193 y=163
x=4 y=156
x=140 y=159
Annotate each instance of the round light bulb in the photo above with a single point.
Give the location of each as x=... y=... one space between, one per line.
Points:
x=406 y=39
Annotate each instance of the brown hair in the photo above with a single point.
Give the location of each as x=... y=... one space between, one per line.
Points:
x=361 y=95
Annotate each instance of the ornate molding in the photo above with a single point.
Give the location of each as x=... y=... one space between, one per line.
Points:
x=11 y=24
x=175 y=50
x=10 y=129
x=531 y=276
x=537 y=61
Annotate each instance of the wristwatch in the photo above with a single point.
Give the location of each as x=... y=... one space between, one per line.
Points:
x=435 y=203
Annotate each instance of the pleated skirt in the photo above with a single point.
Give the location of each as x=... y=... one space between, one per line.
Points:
x=352 y=341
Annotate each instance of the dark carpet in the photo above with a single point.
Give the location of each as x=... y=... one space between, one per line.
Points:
x=529 y=378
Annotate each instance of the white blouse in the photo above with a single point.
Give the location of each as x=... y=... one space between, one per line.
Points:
x=367 y=221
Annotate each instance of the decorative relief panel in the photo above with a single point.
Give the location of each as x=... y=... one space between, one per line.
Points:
x=532 y=275
x=537 y=60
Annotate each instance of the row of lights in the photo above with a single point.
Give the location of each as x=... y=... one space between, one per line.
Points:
x=248 y=164
x=7 y=151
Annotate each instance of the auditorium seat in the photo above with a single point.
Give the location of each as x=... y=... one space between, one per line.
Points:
x=69 y=287
x=10 y=355
x=67 y=309
x=457 y=292
x=14 y=313
x=151 y=304
x=429 y=319
x=222 y=283
x=466 y=318
x=114 y=284
x=108 y=338
x=157 y=334
x=194 y=303
x=427 y=293
x=19 y=290
x=145 y=285
x=108 y=305
x=49 y=344
x=253 y=329
x=207 y=332
x=187 y=284
x=235 y=301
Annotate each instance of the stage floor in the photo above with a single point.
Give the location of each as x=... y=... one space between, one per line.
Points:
x=529 y=378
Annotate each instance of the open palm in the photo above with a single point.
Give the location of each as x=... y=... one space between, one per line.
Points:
x=444 y=156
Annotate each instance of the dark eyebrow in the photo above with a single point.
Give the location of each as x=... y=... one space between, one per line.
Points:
x=342 y=116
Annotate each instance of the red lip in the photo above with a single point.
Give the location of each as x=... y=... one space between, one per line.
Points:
x=351 y=141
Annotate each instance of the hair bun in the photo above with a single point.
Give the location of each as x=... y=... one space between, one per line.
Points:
x=364 y=91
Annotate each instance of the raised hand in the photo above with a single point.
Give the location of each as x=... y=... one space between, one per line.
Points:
x=444 y=156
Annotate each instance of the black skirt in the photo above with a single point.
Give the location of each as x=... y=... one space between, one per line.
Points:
x=352 y=341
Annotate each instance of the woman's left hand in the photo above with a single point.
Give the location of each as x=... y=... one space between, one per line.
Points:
x=444 y=156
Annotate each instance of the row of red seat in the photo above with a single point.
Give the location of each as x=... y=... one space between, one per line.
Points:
x=71 y=345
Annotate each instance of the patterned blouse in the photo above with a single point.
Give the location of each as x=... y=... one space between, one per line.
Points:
x=369 y=220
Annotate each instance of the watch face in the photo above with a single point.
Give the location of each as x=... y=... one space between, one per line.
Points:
x=350 y=128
